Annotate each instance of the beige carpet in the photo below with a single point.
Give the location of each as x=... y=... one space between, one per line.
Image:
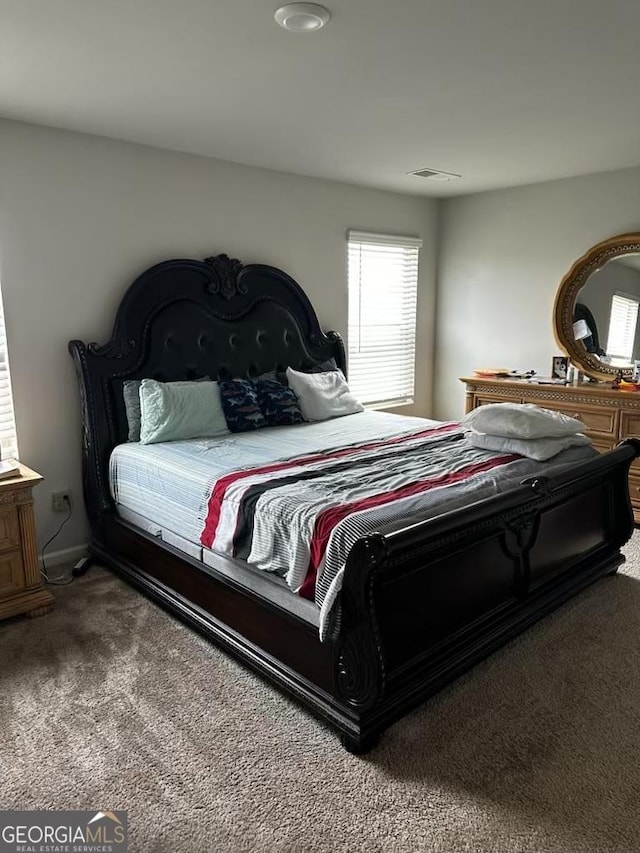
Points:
x=110 y=703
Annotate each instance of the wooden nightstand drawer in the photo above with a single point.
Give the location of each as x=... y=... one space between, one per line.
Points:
x=9 y=529
x=11 y=572
x=597 y=420
x=21 y=585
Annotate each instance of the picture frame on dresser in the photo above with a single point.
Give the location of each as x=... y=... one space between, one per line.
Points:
x=559 y=367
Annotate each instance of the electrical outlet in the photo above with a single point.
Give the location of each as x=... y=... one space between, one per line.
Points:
x=61 y=501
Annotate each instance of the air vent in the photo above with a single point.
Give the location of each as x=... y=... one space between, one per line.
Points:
x=434 y=175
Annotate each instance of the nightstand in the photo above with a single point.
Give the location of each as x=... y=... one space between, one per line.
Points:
x=21 y=586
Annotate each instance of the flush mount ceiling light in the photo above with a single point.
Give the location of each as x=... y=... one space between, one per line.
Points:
x=302 y=17
x=434 y=175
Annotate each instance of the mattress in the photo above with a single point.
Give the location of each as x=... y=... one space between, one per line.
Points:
x=172 y=486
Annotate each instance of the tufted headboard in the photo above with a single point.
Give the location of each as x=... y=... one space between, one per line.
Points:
x=184 y=319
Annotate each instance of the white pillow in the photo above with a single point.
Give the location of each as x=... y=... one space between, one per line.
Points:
x=539 y=449
x=521 y=420
x=323 y=395
x=171 y=411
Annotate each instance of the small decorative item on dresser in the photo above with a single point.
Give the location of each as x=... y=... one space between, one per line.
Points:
x=628 y=386
x=559 y=367
x=21 y=587
x=492 y=372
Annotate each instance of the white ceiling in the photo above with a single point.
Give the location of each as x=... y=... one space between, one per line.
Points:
x=504 y=92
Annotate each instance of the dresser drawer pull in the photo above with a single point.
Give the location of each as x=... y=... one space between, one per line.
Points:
x=577 y=416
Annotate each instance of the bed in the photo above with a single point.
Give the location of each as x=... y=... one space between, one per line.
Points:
x=420 y=600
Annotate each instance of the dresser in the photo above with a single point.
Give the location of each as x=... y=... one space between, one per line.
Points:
x=609 y=415
x=21 y=587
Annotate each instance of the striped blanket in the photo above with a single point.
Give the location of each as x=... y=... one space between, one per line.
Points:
x=300 y=516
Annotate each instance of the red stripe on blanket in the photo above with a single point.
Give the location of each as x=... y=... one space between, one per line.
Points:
x=327 y=520
x=219 y=490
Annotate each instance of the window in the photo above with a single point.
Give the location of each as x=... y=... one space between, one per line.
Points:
x=622 y=328
x=8 y=439
x=383 y=289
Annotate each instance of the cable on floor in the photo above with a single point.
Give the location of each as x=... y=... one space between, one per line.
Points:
x=43 y=571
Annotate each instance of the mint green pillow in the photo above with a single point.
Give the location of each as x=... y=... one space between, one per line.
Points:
x=131 y=397
x=171 y=411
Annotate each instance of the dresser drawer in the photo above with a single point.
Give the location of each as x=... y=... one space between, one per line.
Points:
x=603 y=421
x=634 y=488
x=11 y=572
x=9 y=529
x=601 y=445
x=484 y=399
x=629 y=424
x=630 y=428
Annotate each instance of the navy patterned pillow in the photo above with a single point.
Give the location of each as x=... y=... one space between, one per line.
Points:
x=278 y=403
x=240 y=405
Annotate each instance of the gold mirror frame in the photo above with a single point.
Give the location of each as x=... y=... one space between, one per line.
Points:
x=570 y=286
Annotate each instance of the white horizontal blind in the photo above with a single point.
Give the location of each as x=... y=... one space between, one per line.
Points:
x=622 y=327
x=8 y=438
x=383 y=289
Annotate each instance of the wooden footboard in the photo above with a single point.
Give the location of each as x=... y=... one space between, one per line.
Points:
x=423 y=604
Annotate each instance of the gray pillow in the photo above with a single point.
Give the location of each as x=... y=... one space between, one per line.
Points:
x=131 y=396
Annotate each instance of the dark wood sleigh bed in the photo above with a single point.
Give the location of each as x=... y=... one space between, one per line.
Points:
x=420 y=605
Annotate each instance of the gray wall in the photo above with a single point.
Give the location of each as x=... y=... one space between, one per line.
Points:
x=502 y=256
x=81 y=216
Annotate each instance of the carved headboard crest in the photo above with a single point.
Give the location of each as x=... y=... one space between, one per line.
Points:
x=225 y=276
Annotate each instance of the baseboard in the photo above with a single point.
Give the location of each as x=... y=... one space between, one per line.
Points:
x=66 y=556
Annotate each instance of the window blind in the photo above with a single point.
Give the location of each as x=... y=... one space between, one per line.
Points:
x=8 y=438
x=622 y=327
x=383 y=288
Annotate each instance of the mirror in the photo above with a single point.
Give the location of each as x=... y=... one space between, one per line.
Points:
x=597 y=318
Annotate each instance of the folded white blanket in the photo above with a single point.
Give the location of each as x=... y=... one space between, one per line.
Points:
x=539 y=449
x=521 y=420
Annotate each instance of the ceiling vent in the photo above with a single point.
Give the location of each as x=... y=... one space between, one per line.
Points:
x=434 y=175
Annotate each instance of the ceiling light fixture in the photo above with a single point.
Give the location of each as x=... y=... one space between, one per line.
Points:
x=435 y=175
x=302 y=17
